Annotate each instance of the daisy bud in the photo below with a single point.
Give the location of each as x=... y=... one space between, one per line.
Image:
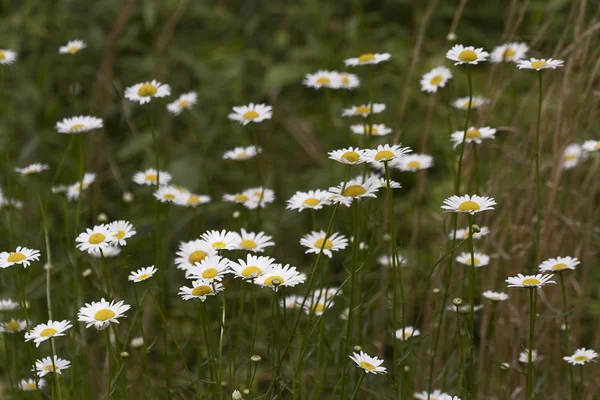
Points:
x=236 y=395
x=127 y=197
x=124 y=354
x=387 y=237
x=357 y=348
x=451 y=37
x=276 y=282
x=102 y=217
x=246 y=391
x=505 y=366
x=476 y=228
x=256 y=358
x=563 y=327
x=406 y=368
x=436 y=290
x=236 y=214
x=86 y=273
x=47 y=266
x=457 y=302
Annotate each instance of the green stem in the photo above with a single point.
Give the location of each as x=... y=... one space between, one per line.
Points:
x=462 y=145
x=567 y=335
x=110 y=356
x=462 y=377
x=358 y=386
x=532 y=301
x=476 y=167
x=538 y=190
x=471 y=381
x=254 y=331
x=145 y=366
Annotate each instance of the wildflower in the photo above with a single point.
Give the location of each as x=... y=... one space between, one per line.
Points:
x=223 y=240
x=279 y=275
x=22 y=256
x=408 y=332
x=13 y=326
x=466 y=55
x=464 y=233
x=122 y=230
x=184 y=102
x=251 y=113
x=102 y=313
x=529 y=281
x=367 y=58
x=386 y=261
x=43 y=332
x=166 y=193
x=355 y=189
x=150 y=177
x=75 y=190
x=373 y=129
x=368 y=363
x=479 y=259
x=47 y=365
x=540 y=64
x=200 y=290
x=146 y=91
x=435 y=79
x=581 y=356
x=349 y=155
x=474 y=135
x=462 y=103
x=251 y=241
x=258 y=197
x=464 y=308
x=347 y=81
x=253 y=267
x=212 y=268
x=468 y=204
x=524 y=356
x=591 y=145
x=558 y=264
x=242 y=153
x=111 y=251
x=572 y=155
x=314 y=241
x=413 y=162
x=79 y=124
x=8 y=304
x=495 y=296
x=322 y=79
x=72 y=47
x=389 y=185
x=137 y=342
x=96 y=240
x=317 y=304
x=187 y=199
x=291 y=302
x=238 y=198
x=363 y=110
x=142 y=274
x=385 y=153
x=313 y=200
x=509 y=52
x=28 y=385
x=192 y=252
x=7 y=57
x=31 y=169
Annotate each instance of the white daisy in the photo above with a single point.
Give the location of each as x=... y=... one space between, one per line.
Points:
x=137 y=342
x=238 y=198
x=253 y=267
x=242 y=153
x=145 y=91
x=111 y=251
x=509 y=52
x=166 y=193
x=591 y=145
x=193 y=252
x=479 y=259
x=558 y=264
x=142 y=274
x=435 y=79
x=413 y=162
x=524 y=356
x=187 y=199
x=572 y=155
x=314 y=241
x=29 y=385
x=96 y=240
x=495 y=296
x=529 y=281
x=48 y=364
x=251 y=113
x=79 y=124
x=291 y=302
x=435 y=395
x=258 y=197
x=317 y=304
x=7 y=56
x=322 y=79
x=540 y=64
x=348 y=81
x=150 y=177
x=407 y=332
x=464 y=233
x=354 y=189
x=200 y=289
x=43 y=332
x=223 y=240
x=313 y=200
x=212 y=268
x=184 y=102
x=72 y=47
x=35 y=168
x=350 y=156
x=373 y=129
x=367 y=58
x=122 y=230
x=385 y=153
x=392 y=184
x=13 y=326
x=22 y=256
x=468 y=204
x=252 y=241
x=280 y=275
x=102 y=313
x=466 y=55
x=581 y=356
x=77 y=188
x=363 y=110
x=386 y=261
x=474 y=135
x=367 y=363
x=8 y=304
x=462 y=103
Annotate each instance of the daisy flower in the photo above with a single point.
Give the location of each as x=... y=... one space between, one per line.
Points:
x=137 y=342
x=166 y=193
x=373 y=129
x=29 y=385
x=386 y=261
x=413 y=162
x=279 y=275
x=7 y=57
x=591 y=145
x=48 y=364
x=558 y=264
x=479 y=259
x=572 y=155
x=79 y=124
x=187 y=199
x=35 y=168
x=251 y=113
x=495 y=296
x=435 y=79
x=469 y=204
x=369 y=364
x=212 y=268
x=529 y=281
x=348 y=81
x=238 y=198
x=252 y=241
x=22 y=256
x=13 y=326
x=111 y=251
x=102 y=313
x=349 y=155
x=43 y=332
x=72 y=47
x=581 y=356
x=367 y=58
x=509 y=52
x=242 y=153
x=314 y=241
x=463 y=309
x=292 y=302
x=466 y=55
x=322 y=79
x=122 y=230
x=258 y=197
x=150 y=177
x=474 y=135
x=391 y=184
x=193 y=252
x=435 y=395
x=96 y=240
x=464 y=233
x=462 y=103
x=363 y=110
x=524 y=356
x=354 y=189
x=385 y=153
x=313 y=200
x=8 y=304
x=142 y=274
x=184 y=102
x=317 y=305
x=201 y=289
x=77 y=188
x=145 y=91
x=407 y=333
x=252 y=268
x=540 y=64
x=223 y=240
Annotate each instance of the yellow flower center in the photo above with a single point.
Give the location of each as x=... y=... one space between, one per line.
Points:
x=120 y=234
x=345 y=80
x=76 y=127
x=73 y=49
x=143 y=277
x=473 y=134
x=319 y=243
x=351 y=156
x=414 y=164
x=468 y=206
x=598 y=145
x=96 y=238
x=251 y=270
x=436 y=80
x=104 y=314
x=197 y=256
x=474 y=261
x=183 y=104
x=13 y=325
x=16 y=257
x=319 y=308
x=465 y=234
x=311 y=202
x=559 y=266
x=51 y=367
x=250 y=115
x=241 y=198
x=210 y=273
x=384 y=155
x=508 y=53
x=570 y=157
x=354 y=190
x=531 y=281
x=269 y=280
x=219 y=245
x=2 y=55
x=193 y=199
x=48 y=332
x=30 y=386
x=151 y=177
x=539 y=64
x=323 y=80
x=407 y=334
x=467 y=56
x=366 y=58
x=367 y=365
x=248 y=244
x=580 y=358
x=363 y=109
x=201 y=290
x=147 y=90
x=241 y=155
x=169 y=196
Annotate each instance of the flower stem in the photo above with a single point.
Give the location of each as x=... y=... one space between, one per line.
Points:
x=529 y=381
x=461 y=379
x=538 y=192
x=109 y=372
x=471 y=381
x=145 y=366
x=358 y=386
x=462 y=146
x=567 y=334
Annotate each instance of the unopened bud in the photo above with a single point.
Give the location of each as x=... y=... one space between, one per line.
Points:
x=102 y=217
x=451 y=37
x=457 y=301
x=86 y=273
x=236 y=214
x=256 y=358
x=475 y=228
x=357 y=348
x=124 y=354
x=127 y=197
x=436 y=290
x=505 y=366
x=236 y=395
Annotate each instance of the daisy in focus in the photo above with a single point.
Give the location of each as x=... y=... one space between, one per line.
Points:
x=363 y=110
x=581 y=356
x=315 y=241
x=142 y=274
x=468 y=204
x=474 y=135
x=193 y=252
x=540 y=64
x=122 y=230
x=7 y=57
x=184 y=102
x=252 y=241
x=43 y=332
x=435 y=79
x=312 y=200
x=464 y=233
x=572 y=156
x=356 y=188
x=47 y=365
x=407 y=332
x=80 y=124
x=253 y=267
x=280 y=276
x=479 y=259
x=96 y=240
x=212 y=268
x=251 y=113
x=350 y=155
x=322 y=79
x=509 y=52
x=102 y=313
x=366 y=59
x=462 y=103
x=529 y=281
x=413 y=162
x=385 y=153
x=242 y=153
x=373 y=129
x=466 y=55
x=72 y=47
x=369 y=364
x=21 y=256
x=31 y=169
x=495 y=296
x=558 y=264
x=201 y=289
x=223 y=240
x=524 y=356
x=28 y=385
x=150 y=177
x=144 y=92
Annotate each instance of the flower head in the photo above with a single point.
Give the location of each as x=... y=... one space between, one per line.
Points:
x=367 y=363
x=478 y=260
x=29 y=385
x=350 y=155
x=474 y=135
x=558 y=264
x=242 y=153
x=464 y=233
x=495 y=296
x=72 y=47
x=413 y=162
x=31 y=169
x=144 y=92
x=540 y=64
x=251 y=113
x=13 y=326
x=385 y=153
x=435 y=395
x=47 y=365
x=469 y=204
x=201 y=289
x=253 y=267
x=252 y=241
x=348 y=81
x=21 y=256
x=591 y=146
x=322 y=79
x=187 y=199
x=581 y=356
x=167 y=193
x=363 y=110
x=312 y=200
x=223 y=240
x=193 y=252
x=529 y=281
x=462 y=103
x=212 y=268
x=96 y=240
x=367 y=58
x=572 y=155
x=79 y=124
x=280 y=276
x=8 y=304
x=509 y=52
x=435 y=79
x=315 y=241
x=151 y=177
x=524 y=356
x=122 y=230
x=372 y=130
x=184 y=102
x=408 y=332
x=142 y=274
x=466 y=55
x=356 y=188
x=43 y=332
x=102 y=313
x=7 y=57
x=386 y=261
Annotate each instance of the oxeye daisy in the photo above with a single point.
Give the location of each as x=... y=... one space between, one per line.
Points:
x=524 y=356
x=479 y=259
x=349 y=155
x=184 y=102
x=47 y=365
x=386 y=261
x=29 y=385
x=252 y=267
x=109 y=252
x=150 y=177
x=466 y=55
x=252 y=241
x=31 y=169
x=77 y=188
x=408 y=332
x=367 y=58
x=529 y=281
x=572 y=155
x=540 y=64
x=509 y=52
x=122 y=230
x=79 y=124
x=367 y=363
x=435 y=395
x=291 y=302
x=201 y=289
x=474 y=135
x=242 y=153
x=7 y=56
x=96 y=240
x=391 y=184
x=468 y=204
x=22 y=256
x=558 y=264
x=354 y=189
x=8 y=304
x=591 y=146
x=312 y=200
x=146 y=91
x=317 y=304
x=322 y=79
x=212 y=268
x=142 y=274
x=581 y=356
x=251 y=113
x=166 y=194
x=193 y=252
x=279 y=275
x=435 y=79
x=102 y=313
x=11 y=203
x=43 y=332
x=462 y=103
x=13 y=326
x=413 y=162
x=449 y=397
x=239 y=198
x=258 y=197
x=314 y=241
x=464 y=233
x=495 y=296
x=187 y=199
x=385 y=153
x=72 y=47
x=363 y=110
x=373 y=129
x=222 y=240
x=348 y=81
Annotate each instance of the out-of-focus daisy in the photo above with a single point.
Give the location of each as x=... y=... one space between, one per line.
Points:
x=529 y=281
x=435 y=395
x=509 y=52
x=212 y=268
x=322 y=79
x=43 y=332
x=251 y=113
x=369 y=364
x=72 y=47
x=413 y=162
x=407 y=332
x=146 y=91
x=137 y=342
x=474 y=135
x=7 y=56
x=540 y=64
x=193 y=252
x=242 y=153
x=386 y=261
x=391 y=184
x=21 y=256
x=524 y=356
x=222 y=240
x=31 y=169
x=291 y=302
x=466 y=55
x=317 y=305
x=280 y=276
x=363 y=110
x=581 y=356
x=373 y=129
x=102 y=313
x=109 y=252
x=591 y=145
x=479 y=259
x=47 y=365
x=464 y=308
x=558 y=264
x=187 y=199
x=239 y=198
x=462 y=103
x=313 y=200
x=350 y=155
x=13 y=326
x=29 y=385
x=252 y=241
x=464 y=233
x=76 y=189
x=495 y=296
x=95 y=240
x=355 y=189
x=79 y=124
x=8 y=304
x=142 y=274
x=201 y=289
x=258 y=197
x=184 y=102
x=348 y=81
x=10 y=203
x=468 y=204
x=572 y=155
x=166 y=193
x=435 y=79
x=367 y=58
x=150 y=177
x=122 y=230
x=314 y=241
x=252 y=267
x=385 y=153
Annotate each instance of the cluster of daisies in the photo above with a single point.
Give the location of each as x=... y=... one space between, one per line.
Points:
x=104 y=240
x=575 y=153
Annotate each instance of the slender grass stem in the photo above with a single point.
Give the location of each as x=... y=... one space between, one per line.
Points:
x=538 y=190
x=471 y=380
x=529 y=380
x=358 y=386
x=110 y=362
x=462 y=376
x=567 y=334
x=254 y=331
x=145 y=365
